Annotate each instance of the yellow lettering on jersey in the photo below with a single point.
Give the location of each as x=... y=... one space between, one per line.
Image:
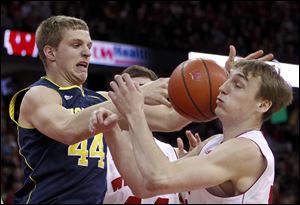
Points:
x=79 y=149
x=96 y=149
x=75 y=109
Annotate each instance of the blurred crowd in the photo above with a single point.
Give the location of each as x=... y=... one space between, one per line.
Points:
x=199 y=26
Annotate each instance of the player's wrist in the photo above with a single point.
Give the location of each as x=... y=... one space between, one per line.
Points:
x=134 y=115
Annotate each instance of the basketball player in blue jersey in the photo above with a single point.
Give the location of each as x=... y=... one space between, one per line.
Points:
x=63 y=161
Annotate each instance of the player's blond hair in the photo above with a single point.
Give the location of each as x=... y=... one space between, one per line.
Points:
x=50 y=31
x=273 y=87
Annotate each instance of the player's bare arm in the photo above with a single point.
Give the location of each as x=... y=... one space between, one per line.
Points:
x=120 y=146
x=42 y=109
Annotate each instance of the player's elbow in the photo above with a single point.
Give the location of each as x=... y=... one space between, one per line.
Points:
x=154 y=185
x=149 y=187
x=143 y=191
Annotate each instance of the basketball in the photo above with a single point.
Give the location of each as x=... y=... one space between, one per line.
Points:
x=193 y=88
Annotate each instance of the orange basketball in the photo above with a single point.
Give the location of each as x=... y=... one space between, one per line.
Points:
x=194 y=87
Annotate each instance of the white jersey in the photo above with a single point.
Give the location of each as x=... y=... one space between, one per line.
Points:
x=258 y=193
x=118 y=193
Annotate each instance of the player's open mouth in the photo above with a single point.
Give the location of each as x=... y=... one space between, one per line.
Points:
x=82 y=64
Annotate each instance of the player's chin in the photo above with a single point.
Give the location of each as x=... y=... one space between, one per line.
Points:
x=82 y=76
x=218 y=111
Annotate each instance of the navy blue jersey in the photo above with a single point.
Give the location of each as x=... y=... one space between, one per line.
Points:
x=55 y=172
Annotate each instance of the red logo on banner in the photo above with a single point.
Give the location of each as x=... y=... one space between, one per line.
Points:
x=20 y=43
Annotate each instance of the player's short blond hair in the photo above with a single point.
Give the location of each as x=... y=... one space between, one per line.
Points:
x=50 y=31
x=273 y=87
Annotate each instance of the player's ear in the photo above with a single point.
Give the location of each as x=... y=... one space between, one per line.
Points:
x=49 y=52
x=264 y=106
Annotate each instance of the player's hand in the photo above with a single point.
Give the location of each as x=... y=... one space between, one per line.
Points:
x=102 y=120
x=156 y=92
x=194 y=141
x=126 y=95
x=259 y=55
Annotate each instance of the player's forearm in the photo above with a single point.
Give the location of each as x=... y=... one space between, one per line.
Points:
x=76 y=128
x=161 y=118
x=150 y=159
x=122 y=152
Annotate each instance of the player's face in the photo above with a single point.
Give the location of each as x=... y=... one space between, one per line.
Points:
x=141 y=80
x=237 y=101
x=73 y=55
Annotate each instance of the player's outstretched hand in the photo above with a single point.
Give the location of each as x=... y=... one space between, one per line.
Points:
x=194 y=141
x=156 y=92
x=256 y=55
x=126 y=95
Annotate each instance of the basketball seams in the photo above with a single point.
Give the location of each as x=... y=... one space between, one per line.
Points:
x=176 y=106
x=181 y=110
x=188 y=92
x=194 y=85
x=210 y=85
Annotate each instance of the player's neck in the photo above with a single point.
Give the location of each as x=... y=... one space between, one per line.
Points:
x=60 y=79
x=232 y=130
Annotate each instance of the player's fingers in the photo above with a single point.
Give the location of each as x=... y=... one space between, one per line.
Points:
x=191 y=138
x=267 y=57
x=128 y=81
x=254 y=55
x=165 y=101
x=180 y=147
x=115 y=87
x=230 y=60
x=198 y=139
x=232 y=53
x=112 y=118
x=120 y=83
x=99 y=116
x=165 y=93
x=179 y=143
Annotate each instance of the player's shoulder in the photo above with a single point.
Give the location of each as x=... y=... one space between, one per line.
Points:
x=240 y=149
x=43 y=94
x=213 y=138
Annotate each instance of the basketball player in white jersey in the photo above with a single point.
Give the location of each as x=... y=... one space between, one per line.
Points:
x=234 y=167
x=119 y=193
x=117 y=190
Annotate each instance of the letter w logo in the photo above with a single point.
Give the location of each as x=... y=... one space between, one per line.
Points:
x=20 y=43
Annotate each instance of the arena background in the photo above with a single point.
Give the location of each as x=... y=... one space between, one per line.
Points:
x=164 y=32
